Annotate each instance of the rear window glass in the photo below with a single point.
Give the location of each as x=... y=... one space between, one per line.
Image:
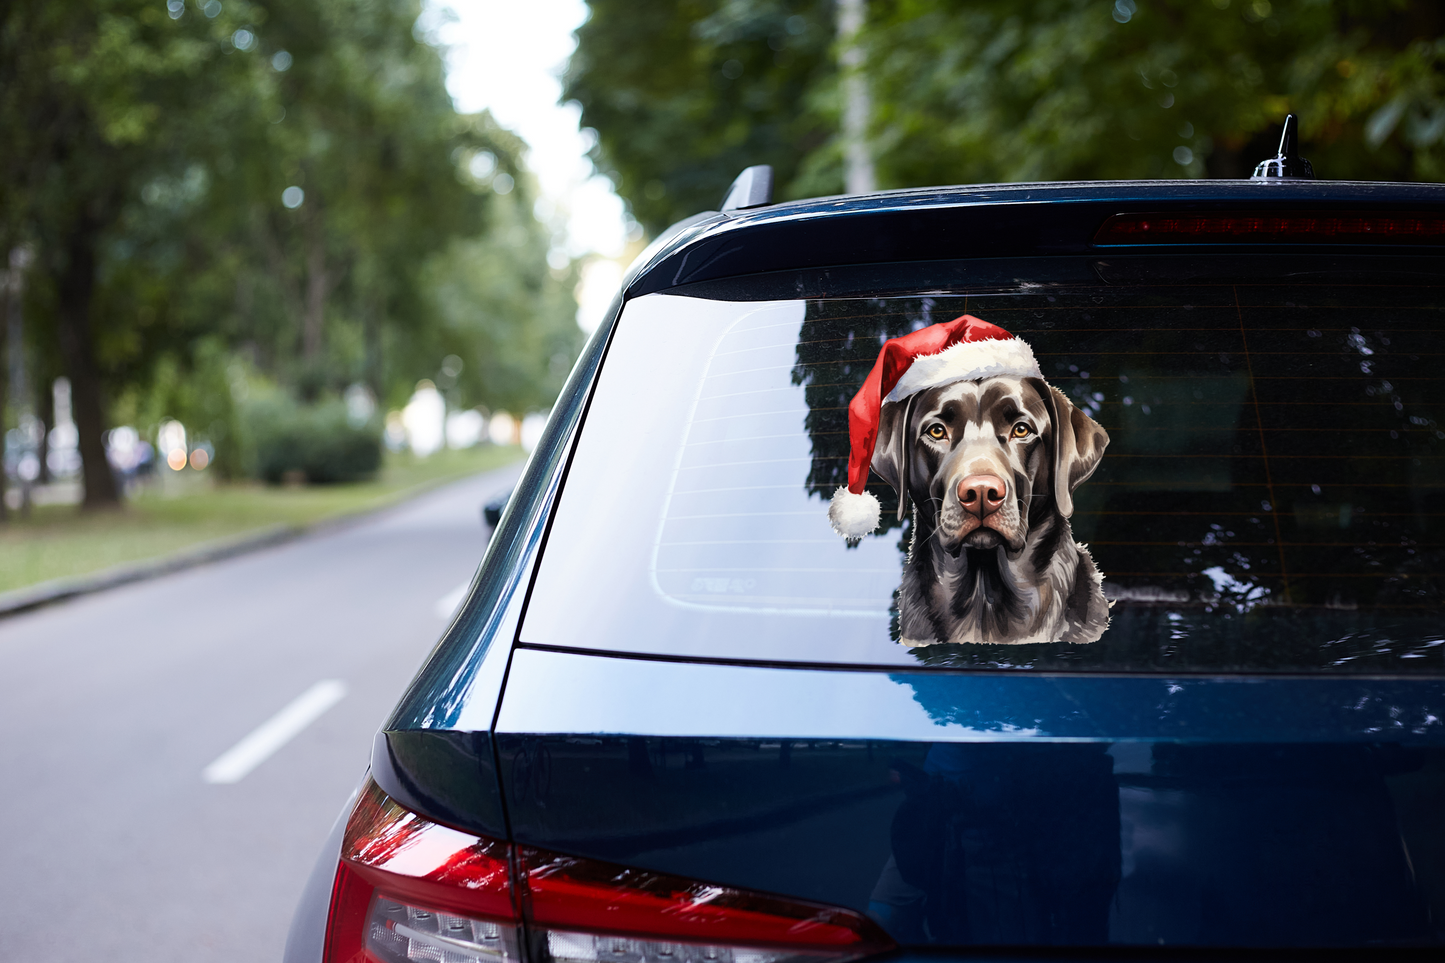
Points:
x=1197 y=476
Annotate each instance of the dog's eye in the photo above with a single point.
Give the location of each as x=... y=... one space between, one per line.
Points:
x=936 y=432
x=1022 y=430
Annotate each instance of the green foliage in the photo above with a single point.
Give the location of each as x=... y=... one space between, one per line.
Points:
x=1060 y=89
x=147 y=149
x=510 y=318
x=686 y=93
x=318 y=442
x=359 y=121
x=1002 y=90
x=94 y=98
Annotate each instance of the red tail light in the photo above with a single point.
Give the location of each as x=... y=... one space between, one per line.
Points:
x=579 y=902
x=1304 y=227
x=410 y=889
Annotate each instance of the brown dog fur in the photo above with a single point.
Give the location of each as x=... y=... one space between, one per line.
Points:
x=1013 y=575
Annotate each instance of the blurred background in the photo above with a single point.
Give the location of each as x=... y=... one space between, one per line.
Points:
x=265 y=265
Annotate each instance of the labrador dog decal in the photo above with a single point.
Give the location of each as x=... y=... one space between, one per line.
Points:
x=958 y=419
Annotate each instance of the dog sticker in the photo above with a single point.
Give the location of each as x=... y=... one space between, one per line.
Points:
x=986 y=455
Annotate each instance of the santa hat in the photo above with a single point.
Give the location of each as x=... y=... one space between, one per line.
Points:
x=964 y=349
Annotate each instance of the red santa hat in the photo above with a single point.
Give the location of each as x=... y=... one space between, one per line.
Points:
x=964 y=349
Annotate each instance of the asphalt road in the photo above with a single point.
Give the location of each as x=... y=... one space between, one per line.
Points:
x=112 y=844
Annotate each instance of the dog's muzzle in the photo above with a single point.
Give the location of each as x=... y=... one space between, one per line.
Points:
x=982 y=521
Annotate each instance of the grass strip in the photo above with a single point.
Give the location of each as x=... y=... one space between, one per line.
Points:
x=60 y=542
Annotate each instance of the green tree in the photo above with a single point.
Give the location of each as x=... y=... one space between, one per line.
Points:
x=325 y=199
x=255 y=189
x=1079 y=89
x=504 y=312
x=358 y=123
x=1002 y=90
x=93 y=101
x=684 y=94
x=331 y=283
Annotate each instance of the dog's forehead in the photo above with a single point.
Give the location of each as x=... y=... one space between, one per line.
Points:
x=973 y=400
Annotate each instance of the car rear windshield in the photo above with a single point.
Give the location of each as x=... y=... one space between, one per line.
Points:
x=1269 y=497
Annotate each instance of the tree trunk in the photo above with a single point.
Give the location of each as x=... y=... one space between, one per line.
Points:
x=372 y=307
x=10 y=303
x=317 y=287
x=45 y=413
x=75 y=288
x=281 y=274
x=14 y=367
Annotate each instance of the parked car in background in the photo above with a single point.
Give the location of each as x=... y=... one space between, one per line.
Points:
x=492 y=509
x=1028 y=566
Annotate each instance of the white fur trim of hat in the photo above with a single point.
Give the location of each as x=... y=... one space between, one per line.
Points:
x=966 y=361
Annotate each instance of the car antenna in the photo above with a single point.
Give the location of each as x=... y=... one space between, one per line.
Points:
x=753 y=188
x=1288 y=162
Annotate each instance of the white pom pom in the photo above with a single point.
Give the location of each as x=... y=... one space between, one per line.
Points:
x=854 y=516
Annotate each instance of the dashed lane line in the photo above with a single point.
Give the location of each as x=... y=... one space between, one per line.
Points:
x=234 y=764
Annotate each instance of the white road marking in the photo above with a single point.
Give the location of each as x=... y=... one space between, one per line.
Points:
x=275 y=732
x=446 y=606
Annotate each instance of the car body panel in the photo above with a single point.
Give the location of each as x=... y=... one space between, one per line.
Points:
x=1207 y=811
x=551 y=692
x=1023 y=842
x=1030 y=809
x=984 y=221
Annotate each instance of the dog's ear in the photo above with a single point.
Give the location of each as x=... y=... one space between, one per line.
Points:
x=1079 y=444
x=891 y=452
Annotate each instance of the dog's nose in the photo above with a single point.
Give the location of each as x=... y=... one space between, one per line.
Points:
x=982 y=494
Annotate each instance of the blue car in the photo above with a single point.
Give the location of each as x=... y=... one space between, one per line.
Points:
x=1045 y=569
